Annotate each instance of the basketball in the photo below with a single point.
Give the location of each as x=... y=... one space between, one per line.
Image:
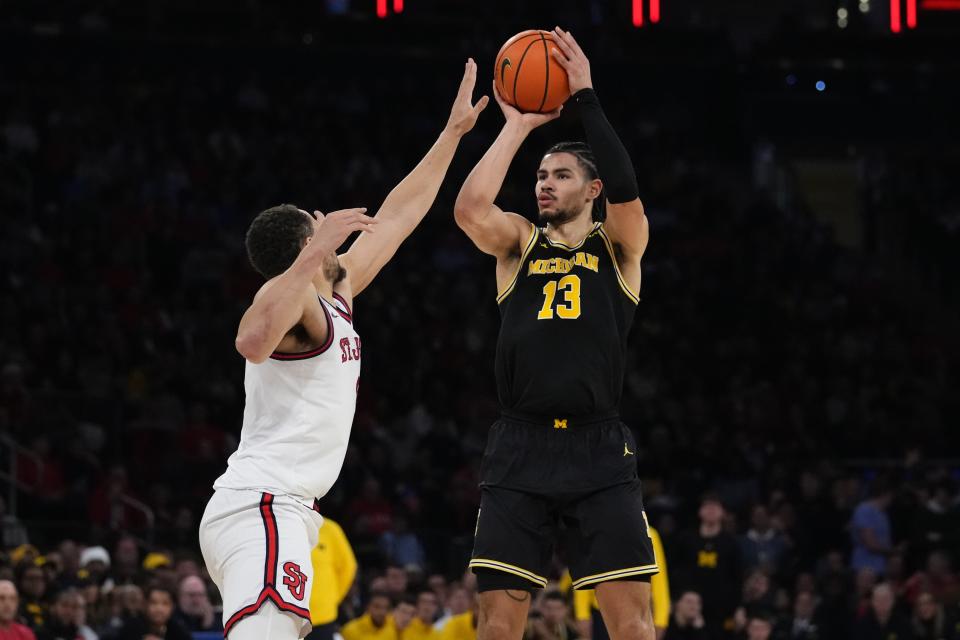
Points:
x=527 y=76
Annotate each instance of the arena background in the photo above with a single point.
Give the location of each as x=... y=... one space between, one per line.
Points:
x=794 y=352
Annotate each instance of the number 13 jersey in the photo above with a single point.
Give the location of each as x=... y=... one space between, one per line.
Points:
x=565 y=317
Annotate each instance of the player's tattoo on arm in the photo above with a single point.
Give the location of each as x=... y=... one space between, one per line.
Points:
x=519 y=596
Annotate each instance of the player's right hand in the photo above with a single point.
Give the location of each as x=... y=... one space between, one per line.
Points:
x=528 y=121
x=330 y=230
x=463 y=115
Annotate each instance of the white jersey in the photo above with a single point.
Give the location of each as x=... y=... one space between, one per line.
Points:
x=298 y=414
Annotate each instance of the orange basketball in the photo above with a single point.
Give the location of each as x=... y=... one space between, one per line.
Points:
x=526 y=74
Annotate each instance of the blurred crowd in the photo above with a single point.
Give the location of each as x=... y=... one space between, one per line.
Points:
x=791 y=394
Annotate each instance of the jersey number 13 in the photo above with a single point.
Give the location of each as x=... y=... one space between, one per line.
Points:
x=568 y=308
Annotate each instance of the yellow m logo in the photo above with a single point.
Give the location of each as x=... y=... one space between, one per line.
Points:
x=559 y=423
x=707 y=559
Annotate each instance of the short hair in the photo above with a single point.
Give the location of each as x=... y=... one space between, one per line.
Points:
x=380 y=594
x=588 y=162
x=66 y=592
x=154 y=588
x=275 y=238
x=712 y=496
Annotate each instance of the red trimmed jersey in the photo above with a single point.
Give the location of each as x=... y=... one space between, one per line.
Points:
x=298 y=414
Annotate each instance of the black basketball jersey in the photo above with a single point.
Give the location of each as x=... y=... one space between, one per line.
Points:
x=563 y=334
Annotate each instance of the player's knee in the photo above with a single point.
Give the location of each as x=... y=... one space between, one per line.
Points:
x=499 y=622
x=493 y=627
x=634 y=627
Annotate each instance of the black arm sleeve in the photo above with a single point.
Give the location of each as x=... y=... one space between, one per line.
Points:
x=613 y=161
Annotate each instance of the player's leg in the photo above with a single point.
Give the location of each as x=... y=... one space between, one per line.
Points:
x=511 y=554
x=258 y=547
x=503 y=613
x=609 y=549
x=625 y=606
x=268 y=622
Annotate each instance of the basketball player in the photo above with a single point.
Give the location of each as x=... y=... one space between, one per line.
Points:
x=303 y=363
x=560 y=467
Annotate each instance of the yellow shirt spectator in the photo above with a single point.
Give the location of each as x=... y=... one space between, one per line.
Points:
x=417 y=630
x=334 y=568
x=585 y=600
x=364 y=628
x=461 y=627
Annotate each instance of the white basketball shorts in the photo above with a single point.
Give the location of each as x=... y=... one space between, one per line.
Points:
x=257 y=548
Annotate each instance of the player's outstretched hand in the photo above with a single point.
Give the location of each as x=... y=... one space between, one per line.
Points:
x=330 y=230
x=530 y=121
x=572 y=58
x=464 y=113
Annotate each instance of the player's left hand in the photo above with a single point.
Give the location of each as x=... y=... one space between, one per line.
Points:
x=572 y=58
x=464 y=113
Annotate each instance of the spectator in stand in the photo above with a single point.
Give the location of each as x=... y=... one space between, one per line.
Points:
x=194 y=609
x=459 y=600
x=462 y=626
x=930 y=621
x=403 y=614
x=938 y=579
x=126 y=603
x=937 y=525
x=69 y=575
x=864 y=583
x=707 y=561
x=334 y=570
x=401 y=545
x=803 y=625
x=107 y=506
x=396 y=581
x=33 y=590
x=757 y=594
x=554 y=622
x=421 y=627
x=375 y=624
x=760 y=627
x=762 y=546
x=371 y=513
x=158 y=570
x=883 y=621
x=10 y=628
x=870 y=530
x=84 y=630
x=438 y=584
x=96 y=611
x=95 y=565
x=687 y=621
x=62 y=623
x=125 y=568
x=157 y=620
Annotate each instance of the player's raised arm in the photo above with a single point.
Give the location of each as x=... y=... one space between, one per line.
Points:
x=626 y=223
x=410 y=200
x=494 y=231
x=286 y=300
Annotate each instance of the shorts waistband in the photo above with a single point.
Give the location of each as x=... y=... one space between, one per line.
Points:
x=561 y=421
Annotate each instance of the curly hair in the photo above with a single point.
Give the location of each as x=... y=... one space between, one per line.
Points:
x=275 y=238
x=584 y=155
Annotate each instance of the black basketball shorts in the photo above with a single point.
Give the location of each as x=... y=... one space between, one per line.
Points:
x=561 y=484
